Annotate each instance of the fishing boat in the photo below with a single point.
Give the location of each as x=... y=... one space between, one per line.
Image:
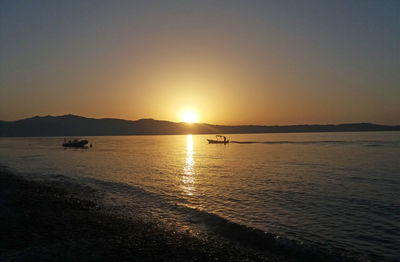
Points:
x=75 y=143
x=220 y=140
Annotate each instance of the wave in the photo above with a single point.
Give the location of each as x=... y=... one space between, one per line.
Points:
x=259 y=240
x=176 y=209
x=132 y=199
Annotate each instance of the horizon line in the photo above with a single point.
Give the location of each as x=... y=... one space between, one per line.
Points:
x=150 y=118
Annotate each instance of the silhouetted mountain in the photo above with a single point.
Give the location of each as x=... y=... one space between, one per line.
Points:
x=71 y=125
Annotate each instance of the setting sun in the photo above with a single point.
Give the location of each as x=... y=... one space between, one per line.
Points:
x=189 y=116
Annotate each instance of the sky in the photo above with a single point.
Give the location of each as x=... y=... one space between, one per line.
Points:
x=230 y=62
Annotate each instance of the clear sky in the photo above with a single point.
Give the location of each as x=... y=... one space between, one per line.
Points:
x=231 y=62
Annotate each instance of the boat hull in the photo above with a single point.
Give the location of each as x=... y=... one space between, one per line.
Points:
x=80 y=144
x=211 y=141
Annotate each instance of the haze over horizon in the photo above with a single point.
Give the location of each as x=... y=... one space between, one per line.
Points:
x=180 y=121
x=229 y=62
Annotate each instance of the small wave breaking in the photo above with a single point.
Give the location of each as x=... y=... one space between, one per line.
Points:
x=168 y=208
x=259 y=240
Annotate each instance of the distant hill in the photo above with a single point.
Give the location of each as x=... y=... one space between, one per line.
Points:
x=71 y=125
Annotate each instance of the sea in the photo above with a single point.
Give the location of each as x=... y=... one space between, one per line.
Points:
x=316 y=192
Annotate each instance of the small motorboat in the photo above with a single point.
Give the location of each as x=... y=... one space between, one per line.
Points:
x=75 y=143
x=220 y=140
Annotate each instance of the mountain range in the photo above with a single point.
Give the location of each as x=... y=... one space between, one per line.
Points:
x=72 y=125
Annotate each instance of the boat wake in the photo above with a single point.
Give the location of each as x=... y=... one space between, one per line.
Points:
x=369 y=143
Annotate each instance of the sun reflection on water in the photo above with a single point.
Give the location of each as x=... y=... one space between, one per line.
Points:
x=188 y=179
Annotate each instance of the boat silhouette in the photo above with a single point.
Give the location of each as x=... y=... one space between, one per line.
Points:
x=75 y=143
x=220 y=140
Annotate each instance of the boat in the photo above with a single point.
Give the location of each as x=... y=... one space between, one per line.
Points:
x=75 y=143
x=220 y=140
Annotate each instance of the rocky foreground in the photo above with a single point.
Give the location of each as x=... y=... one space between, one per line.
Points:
x=43 y=223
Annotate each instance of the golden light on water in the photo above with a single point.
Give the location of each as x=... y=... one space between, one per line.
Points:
x=189 y=116
x=188 y=179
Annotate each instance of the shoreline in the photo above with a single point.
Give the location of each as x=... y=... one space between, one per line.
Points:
x=42 y=221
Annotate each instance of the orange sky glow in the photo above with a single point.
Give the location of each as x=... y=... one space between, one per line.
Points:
x=231 y=63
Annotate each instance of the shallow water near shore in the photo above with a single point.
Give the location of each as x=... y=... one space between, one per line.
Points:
x=336 y=191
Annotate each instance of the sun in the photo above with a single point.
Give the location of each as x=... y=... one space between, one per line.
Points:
x=189 y=116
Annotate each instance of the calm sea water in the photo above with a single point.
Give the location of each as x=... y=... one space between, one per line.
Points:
x=337 y=191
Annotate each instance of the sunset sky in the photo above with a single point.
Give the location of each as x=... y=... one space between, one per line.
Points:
x=230 y=62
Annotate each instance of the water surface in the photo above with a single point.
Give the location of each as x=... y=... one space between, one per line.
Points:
x=338 y=191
